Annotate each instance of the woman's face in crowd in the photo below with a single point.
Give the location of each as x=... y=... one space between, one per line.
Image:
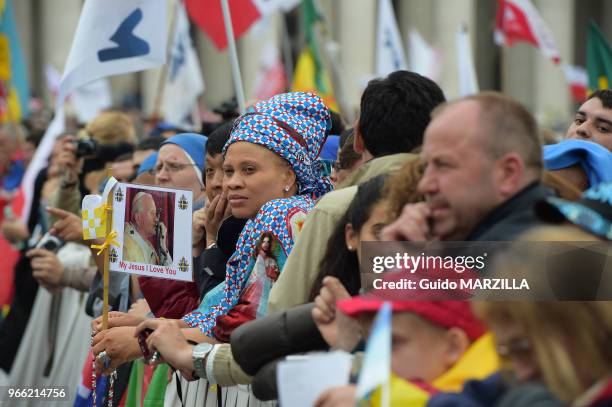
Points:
x=513 y=346
x=370 y=231
x=254 y=175
x=175 y=170
x=420 y=350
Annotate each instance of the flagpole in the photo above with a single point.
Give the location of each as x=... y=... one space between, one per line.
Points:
x=333 y=67
x=195 y=116
x=286 y=46
x=105 y=272
x=163 y=75
x=231 y=41
x=386 y=394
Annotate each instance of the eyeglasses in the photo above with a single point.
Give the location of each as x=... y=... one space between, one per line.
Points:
x=516 y=348
x=171 y=167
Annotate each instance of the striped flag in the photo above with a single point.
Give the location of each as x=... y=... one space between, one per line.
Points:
x=14 y=90
x=519 y=20
x=310 y=74
x=578 y=82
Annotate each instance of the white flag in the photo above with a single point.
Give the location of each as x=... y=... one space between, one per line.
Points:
x=92 y=98
x=184 y=82
x=390 y=55
x=267 y=7
x=115 y=37
x=53 y=79
x=87 y=101
x=424 y=59
x=468 y=84
x=376 y=366
x=112 y=37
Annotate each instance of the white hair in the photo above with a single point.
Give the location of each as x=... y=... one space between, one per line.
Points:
x=137 y=203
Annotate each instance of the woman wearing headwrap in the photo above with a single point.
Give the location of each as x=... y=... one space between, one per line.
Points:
x=273 y=178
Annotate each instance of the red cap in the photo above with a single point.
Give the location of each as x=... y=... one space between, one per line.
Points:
x=446 y=313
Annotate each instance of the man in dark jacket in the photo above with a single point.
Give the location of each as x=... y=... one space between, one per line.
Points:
x=484 y=165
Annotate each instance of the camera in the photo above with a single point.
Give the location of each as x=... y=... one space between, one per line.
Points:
x=85 y=147
x=50 y=242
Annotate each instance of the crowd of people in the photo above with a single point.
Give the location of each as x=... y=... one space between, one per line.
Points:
x=284 y=198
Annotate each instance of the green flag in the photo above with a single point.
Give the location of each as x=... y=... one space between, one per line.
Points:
x=599 y=59
x=310 y=74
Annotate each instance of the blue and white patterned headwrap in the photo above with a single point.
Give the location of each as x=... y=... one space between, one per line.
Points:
x=294 y=126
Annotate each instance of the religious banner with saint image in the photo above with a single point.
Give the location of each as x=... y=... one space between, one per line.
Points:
x=153 y=228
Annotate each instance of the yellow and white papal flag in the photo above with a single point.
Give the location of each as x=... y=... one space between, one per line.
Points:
x=94 y=212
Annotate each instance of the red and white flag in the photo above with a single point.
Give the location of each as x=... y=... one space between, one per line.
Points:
x=271 y=79
x=578 y=81
x=208 y=15
x=519 y=20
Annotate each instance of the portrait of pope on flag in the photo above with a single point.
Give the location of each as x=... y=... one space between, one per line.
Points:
x=147 y=238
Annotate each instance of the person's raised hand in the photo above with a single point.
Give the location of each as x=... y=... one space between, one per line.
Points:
x=412 y=225
x=68 y=226
x=338 y=330
x=216 y=211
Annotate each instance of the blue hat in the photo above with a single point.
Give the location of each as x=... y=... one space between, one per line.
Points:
x=194 y=145
x=148 y=163
x=330 y=148
x=596 y=161
x=592 y=212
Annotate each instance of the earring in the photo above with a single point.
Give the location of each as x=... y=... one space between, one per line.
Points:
x=350 y=248
x=287 y=188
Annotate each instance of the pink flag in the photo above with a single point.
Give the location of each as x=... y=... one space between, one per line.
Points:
x=519 y=20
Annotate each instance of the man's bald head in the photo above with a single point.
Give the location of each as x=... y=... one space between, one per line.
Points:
x=504 y=126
